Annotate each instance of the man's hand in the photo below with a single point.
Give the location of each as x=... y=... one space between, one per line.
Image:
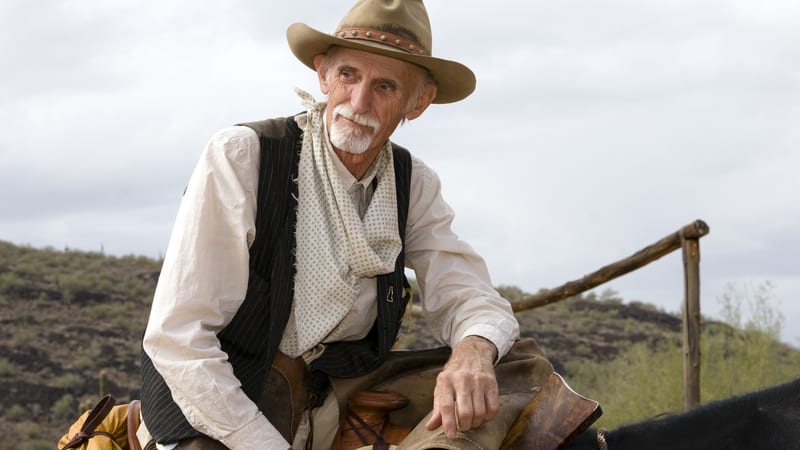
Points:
x=466 y=394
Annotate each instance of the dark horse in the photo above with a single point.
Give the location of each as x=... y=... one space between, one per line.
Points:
x=766 y=419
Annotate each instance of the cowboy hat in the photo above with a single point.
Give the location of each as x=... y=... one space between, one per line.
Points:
x=395 y=28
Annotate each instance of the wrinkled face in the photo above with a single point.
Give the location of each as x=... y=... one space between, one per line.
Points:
x=368 y=96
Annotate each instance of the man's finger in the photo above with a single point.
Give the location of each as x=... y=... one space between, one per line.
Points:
x=478 y=409
x=492 y=404
x=447 y=411
x=464 y=412
x=435 y=421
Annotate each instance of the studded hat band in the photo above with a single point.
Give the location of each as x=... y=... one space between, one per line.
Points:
x=382 y=37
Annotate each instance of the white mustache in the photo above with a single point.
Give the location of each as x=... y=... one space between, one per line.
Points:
x=361 y=119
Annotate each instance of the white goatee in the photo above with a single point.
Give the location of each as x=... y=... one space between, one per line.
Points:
x=348 y=137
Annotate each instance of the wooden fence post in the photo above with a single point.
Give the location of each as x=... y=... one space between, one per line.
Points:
x=691 y=321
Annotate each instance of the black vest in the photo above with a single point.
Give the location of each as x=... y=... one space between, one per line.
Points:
x=252 y=337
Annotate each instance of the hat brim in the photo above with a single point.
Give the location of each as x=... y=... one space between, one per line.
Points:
x=455 y=81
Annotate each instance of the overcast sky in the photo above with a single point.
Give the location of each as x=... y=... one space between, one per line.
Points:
x=597 y=128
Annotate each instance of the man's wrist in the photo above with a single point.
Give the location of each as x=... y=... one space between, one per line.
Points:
x=485 y=346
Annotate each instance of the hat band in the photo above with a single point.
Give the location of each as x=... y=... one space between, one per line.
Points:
x=382 y=37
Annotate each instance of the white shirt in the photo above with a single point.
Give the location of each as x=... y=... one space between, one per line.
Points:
x=204 y=277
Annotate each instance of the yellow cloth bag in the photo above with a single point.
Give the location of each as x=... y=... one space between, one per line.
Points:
x=105 y=427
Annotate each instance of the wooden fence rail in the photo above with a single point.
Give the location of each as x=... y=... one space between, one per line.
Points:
x=666 y=245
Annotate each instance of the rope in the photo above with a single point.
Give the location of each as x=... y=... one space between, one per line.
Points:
x=379 y=444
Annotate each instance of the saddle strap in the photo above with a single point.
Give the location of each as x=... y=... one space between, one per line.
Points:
x=95 y=417
x=379 y=443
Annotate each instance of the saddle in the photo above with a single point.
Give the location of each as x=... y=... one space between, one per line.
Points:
x=554 y=416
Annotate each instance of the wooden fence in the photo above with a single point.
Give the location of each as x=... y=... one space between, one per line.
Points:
x=686 y=238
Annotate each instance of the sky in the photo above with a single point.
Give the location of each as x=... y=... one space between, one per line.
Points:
x=597 y=128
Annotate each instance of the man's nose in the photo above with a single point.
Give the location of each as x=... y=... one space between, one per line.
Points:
x=360 y=97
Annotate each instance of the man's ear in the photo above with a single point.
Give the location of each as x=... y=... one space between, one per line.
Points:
x=423 y=101
x=322 y=71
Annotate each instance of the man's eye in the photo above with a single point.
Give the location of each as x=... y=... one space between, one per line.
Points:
x=346 y=74
x=387 y=87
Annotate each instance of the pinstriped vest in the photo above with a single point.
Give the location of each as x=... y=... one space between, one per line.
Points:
x=270 y=290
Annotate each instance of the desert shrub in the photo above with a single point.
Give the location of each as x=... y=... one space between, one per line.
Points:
x=73 y=283
x=10 y=281
x=23 y=337
x=69 y=381
x=611 y=296
x=84 y=362
x=116 y=313
x=643 y=305
x=104 y=285
x=95 y=351
x=65 y=407
x=42 y=300
x=7 y=368
x=29 y=267
x=29 y=430
x=135 y=287
x=15 y=413
x=582 y=350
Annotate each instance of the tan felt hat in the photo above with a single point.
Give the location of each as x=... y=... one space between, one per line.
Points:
x=396 y=28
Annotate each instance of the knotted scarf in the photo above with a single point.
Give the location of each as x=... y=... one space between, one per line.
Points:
x=335 y=246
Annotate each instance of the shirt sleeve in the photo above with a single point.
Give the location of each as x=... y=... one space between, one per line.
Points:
x=203 y=282
x=456 y=292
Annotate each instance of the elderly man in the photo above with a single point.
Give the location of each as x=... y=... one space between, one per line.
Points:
x=288 y=255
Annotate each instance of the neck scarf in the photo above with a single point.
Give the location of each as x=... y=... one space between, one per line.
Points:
x=335 y=246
